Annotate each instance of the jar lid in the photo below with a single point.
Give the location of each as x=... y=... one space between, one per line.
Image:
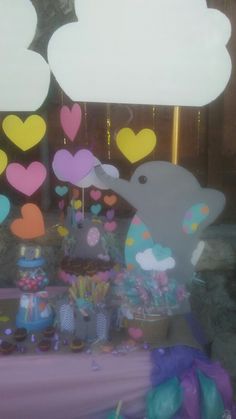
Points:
x=33 y=263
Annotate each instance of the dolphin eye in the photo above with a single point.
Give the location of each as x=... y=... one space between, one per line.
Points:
x=142 y=179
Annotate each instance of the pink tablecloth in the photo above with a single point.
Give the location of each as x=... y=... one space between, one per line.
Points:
x=66 y=387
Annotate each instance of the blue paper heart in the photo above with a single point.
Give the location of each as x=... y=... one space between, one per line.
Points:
x=61 y=190
x=160 y=252
x=95 y=209
x=4 y=207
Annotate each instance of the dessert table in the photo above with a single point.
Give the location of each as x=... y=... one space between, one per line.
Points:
x=65 y=385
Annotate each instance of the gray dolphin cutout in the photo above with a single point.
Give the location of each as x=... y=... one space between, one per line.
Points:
x=165 y=196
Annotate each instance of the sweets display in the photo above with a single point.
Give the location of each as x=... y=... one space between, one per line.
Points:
x=32 y=280
x=6 y=348
x=71 y=268
x=34 y=313
x=20 y=334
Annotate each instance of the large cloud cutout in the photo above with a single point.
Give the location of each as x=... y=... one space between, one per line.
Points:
x=162 y=52
x=24 y=74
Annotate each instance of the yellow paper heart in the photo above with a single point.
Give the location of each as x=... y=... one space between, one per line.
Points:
x=76 y=204
x=62 y=231
x=3 y=161
x=24 y=134
x=136 y=147
x=4 y=319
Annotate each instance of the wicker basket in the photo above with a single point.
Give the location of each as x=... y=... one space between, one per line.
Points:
x=154 y=327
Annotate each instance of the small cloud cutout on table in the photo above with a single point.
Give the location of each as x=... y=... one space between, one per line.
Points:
x=148 y=262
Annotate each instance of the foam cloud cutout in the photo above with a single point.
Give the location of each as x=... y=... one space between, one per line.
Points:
x=24 y=74
x=148 y=261
x=162 y=52
x=92 y=180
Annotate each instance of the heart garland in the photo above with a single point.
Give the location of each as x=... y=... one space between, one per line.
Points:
x=26 y=180
x=136 y=146
x=31 y=225
x=24 y=134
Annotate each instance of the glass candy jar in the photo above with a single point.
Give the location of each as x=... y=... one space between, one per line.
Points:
x=34 y=313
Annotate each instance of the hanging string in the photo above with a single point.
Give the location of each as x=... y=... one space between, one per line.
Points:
x=86 y=123
x=154 y=113
x=108 y=129
x=83 y=202
x=127 y=122
x=62 y=103
x=198 y=130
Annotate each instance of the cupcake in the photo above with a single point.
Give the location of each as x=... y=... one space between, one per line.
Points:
x=77 y=345
x=6 y=348
x=44 y=345
x=49 y=332
x=20 y=334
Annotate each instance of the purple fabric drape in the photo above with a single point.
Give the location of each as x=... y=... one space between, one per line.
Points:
x=66 y=387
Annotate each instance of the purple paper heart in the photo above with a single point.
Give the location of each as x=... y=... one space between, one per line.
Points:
x=79 y=216
x=110 y=214
x=72 y=168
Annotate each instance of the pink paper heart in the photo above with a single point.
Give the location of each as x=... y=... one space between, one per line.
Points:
x=71 y=120
x=61 y=204
x=110 y=226
x=95 y=194
x=103 y=276
x=67 y=278
x=26 y=180
x=135 y=333
x=72 y=168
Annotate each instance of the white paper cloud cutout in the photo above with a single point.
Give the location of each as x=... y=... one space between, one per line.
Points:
x=92 y=180
x=24 y=74
x=148 y=262
x=162 y=52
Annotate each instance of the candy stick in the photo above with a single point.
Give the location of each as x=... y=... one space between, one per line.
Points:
x=93 y=292
x=77 y=286
x=106 y=287
x=118 y=409
x=89 y=284
x=72 y=293
x=99 y=290
x=74 y=289
x=82 y=279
